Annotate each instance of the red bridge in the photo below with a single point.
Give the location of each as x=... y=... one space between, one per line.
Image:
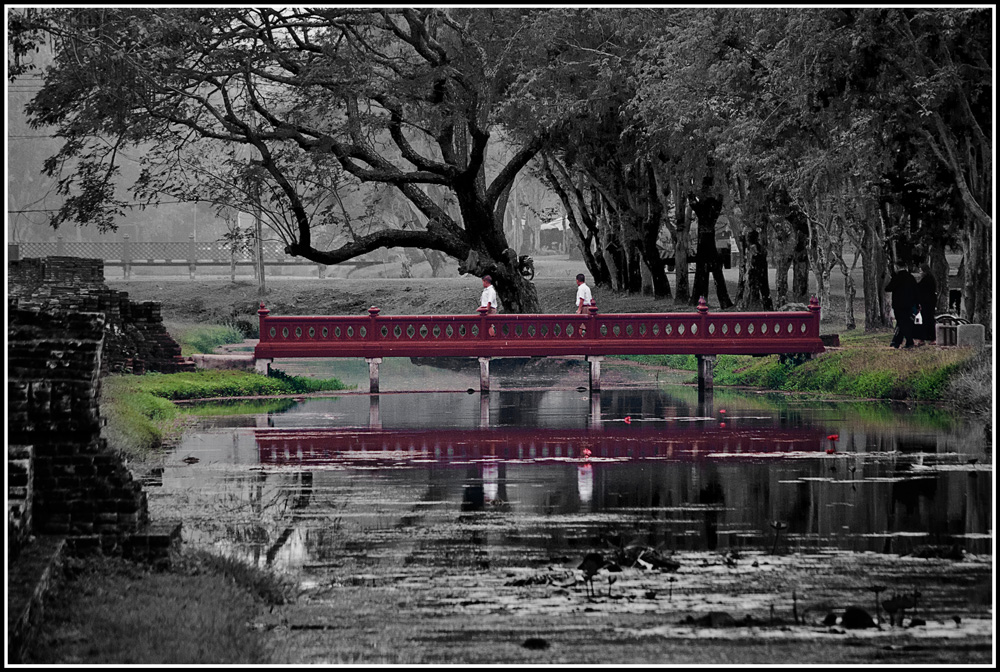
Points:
x=377 y=447
x=484 y=336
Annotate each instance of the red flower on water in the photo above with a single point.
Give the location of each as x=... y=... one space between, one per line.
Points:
x=586 y=452
x=722 y=424
x=722 y=410
x=628 y=419
x=833 y=437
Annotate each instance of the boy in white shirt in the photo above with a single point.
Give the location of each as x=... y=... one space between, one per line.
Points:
x=583 y=295
x=488 y=299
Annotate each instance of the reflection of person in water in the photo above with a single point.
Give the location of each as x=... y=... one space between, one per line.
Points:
x=490 y=485
x=585 y=482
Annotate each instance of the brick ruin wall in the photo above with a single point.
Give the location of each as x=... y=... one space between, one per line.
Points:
x=135 y=338
x=65 y=330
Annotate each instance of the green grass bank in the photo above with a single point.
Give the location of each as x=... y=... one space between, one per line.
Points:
x=864 y=367
x=105 y=610
x=205 y=338
x=140 y=410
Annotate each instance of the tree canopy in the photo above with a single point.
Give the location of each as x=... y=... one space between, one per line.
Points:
x=811 y=131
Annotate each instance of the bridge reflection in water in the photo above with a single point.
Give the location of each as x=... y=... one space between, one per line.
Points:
x=375 y=447
x=434 y=477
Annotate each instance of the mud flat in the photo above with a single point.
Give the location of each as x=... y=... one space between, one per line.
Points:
x=711 y=610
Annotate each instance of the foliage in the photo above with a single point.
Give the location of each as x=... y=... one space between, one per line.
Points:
x=680 y=362
x=866 y=128
x=972 y=385
x=109 y=611
x=205 y=338
x=140 y=409
x=274 y=106
x=866 y=369
x=204 y=383
x=263 y=584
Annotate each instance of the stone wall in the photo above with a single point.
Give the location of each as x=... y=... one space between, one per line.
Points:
x=135 y=338
x=66 y=329
x=79 y=485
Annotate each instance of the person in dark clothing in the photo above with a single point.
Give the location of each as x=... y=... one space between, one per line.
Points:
x=927 y=300
x=903 y=287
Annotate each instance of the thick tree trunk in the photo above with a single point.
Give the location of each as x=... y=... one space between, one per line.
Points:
x=756 y=290
x=939 y=269
x=800 y=256
x=849 y=295
x=706 y=210
x=682 y=286
x=608 y=251
x=757 y=294
x=653 y=262
x=490 y=253
x=874 y=273
x=977 y=295
x=782 y=265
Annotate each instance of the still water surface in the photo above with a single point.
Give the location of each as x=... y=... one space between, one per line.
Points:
x=527 y=474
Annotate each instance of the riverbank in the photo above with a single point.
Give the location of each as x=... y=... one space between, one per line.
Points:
x=863 y=367
x=141 y=413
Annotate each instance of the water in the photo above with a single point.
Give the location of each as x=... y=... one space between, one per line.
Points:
x=355 y=484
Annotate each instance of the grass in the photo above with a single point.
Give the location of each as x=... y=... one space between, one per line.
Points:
x=110 y=611
x=140 y=410
x=865 y=368
x=204 y=338
x=972 y=386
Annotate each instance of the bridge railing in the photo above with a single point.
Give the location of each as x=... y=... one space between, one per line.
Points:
x=321 y=446
x=482 y=335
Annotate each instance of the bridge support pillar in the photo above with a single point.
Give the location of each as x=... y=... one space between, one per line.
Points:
x=484 y=375
x=373 y=363
x=595 y=372
x=262 y=366
x=484 y=410
x=706 y=368
x=374 y=421
x=595 y=409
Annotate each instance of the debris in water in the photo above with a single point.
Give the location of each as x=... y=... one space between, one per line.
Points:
x=856 y=618
x=778 y=527
x=535 y=643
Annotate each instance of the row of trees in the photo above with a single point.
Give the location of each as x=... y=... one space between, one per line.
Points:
x=815 y=132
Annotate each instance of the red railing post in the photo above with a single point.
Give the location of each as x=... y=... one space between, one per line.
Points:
x=703 y=311
x=262 y=314
x=373 y=314
x=814 y=309
x=592 y=309
x=482 y=310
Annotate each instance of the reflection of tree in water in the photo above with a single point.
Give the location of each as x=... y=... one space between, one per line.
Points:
x=523 y=412
x=711 y=495
x=617 y=404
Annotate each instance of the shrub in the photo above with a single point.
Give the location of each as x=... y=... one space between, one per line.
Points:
x=205 y=338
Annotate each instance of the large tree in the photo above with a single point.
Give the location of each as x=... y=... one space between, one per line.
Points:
x=402 y=97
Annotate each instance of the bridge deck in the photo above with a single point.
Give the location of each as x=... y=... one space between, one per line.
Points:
x=697 y=333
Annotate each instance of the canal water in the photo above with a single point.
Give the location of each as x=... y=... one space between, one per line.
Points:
x=539 y=471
